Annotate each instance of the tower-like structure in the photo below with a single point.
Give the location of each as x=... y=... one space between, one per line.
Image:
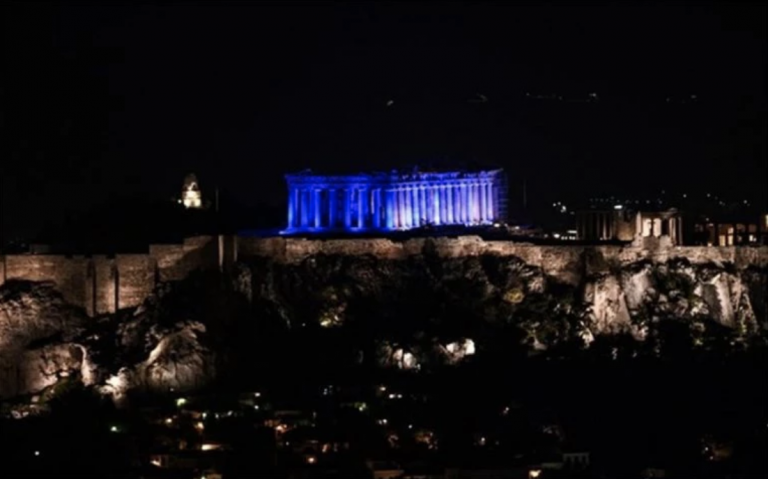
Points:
x=394 y=201
x=191 y=197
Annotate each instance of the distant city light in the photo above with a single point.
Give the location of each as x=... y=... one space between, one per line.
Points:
x=180 y=402
x=534 y=473
x=37 y=453
x=618 y=207
x=113 y=429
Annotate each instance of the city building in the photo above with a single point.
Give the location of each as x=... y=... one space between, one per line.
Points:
x=394 y=201
x=621 y=224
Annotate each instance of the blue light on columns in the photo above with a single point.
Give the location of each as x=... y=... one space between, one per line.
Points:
x=391 y=201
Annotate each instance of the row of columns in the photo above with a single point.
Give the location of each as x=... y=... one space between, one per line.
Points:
x=353 y=207
x=597 y=225
x=391 y=206
x=461 y=202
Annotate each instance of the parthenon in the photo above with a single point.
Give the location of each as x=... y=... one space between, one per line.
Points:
x=393 y=201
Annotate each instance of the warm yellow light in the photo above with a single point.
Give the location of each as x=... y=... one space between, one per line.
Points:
x=180 y=402
x=534 y=473
x=210 y=447
x=311 y=459
x=169 y=420
x=199 y=426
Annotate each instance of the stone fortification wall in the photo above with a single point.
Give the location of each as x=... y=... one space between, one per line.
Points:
x=104 y=284
x=176 y=261
x=565 y=261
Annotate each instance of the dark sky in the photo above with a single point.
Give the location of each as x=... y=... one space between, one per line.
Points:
x=123 y=100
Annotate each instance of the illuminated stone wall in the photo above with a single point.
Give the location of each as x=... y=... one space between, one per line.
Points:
x=563 y=261
x=102 y=285
x=393 y=201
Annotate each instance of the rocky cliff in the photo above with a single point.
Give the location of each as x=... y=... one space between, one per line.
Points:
x=439 y=304
x=427 y=308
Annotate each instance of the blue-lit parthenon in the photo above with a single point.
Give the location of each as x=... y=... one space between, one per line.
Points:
x=393 y=201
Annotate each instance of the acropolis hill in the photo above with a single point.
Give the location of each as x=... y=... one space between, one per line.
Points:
x=552 y=293
x=103 y=284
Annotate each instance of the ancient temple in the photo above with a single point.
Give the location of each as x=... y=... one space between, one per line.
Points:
x=393 y=201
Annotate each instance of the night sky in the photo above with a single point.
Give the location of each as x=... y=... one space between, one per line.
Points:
x=100 y=102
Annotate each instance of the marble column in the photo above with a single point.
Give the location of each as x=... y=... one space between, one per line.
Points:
x=483 y=216
x=462 y=203
x=377 y=208
x=291 y=207
x=458 y=214
x=490 y=203
x=360 y=213
x=407 y=212
x=347 y=208
x=440 y=196
x=389 y=210
x=418 y=214
x=436 y=204
x=451 y=204
x=317 y=204
x=423 y=204
x=304 y=196
x=332 y=208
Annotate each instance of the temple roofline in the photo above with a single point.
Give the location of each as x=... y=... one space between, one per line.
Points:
x=393 y=176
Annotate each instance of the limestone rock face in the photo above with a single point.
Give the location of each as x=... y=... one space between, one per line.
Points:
x=34 y=311
x=45 y=341
x=644 y=293
x=34 y=370
x=178 y=362
x=38 y=332
x=410 y=312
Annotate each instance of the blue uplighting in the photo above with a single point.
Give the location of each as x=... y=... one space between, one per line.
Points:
x=394 y=201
